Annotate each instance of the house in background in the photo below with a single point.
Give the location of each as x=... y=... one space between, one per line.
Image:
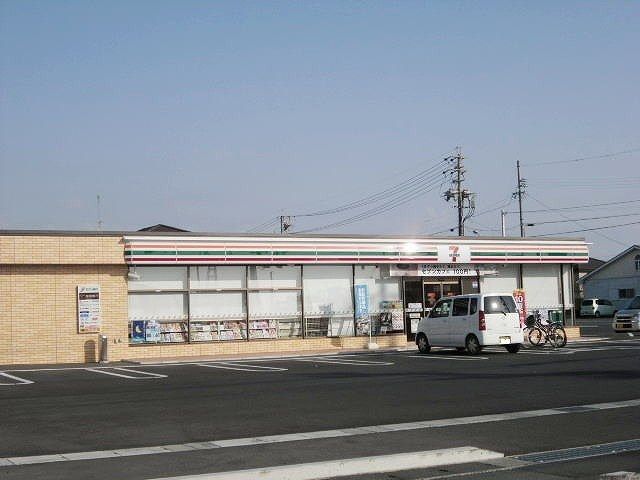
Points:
x=617 y=280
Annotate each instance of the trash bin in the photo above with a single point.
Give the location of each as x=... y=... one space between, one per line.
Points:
x=104 y=351
x=556 y=316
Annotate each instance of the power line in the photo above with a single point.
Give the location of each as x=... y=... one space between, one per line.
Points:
x=590 y=230
x=585 y=218
x=393 y=190
x=578 y=207
x=582 y=159
x=389 y=205
x=567 y=218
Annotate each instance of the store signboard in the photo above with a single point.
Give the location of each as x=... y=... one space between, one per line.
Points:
x=440 y=270
x=362 y=301
x=454 y=254
x=89 y=309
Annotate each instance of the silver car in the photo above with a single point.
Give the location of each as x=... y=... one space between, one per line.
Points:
x=628 y=319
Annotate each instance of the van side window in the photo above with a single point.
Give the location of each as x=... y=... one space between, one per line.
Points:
x=473 y=306
x=460 y=307
x=442 y=309
x=587 y=303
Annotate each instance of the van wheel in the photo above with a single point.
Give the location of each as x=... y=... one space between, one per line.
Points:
x=513 y=348
x=423 y=343
x=472 y=345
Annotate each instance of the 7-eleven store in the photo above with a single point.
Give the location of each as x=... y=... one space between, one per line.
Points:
x=173 y=295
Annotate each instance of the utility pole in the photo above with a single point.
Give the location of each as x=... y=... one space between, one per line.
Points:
x=458 y=193
x=286 y=222
x=522 y=184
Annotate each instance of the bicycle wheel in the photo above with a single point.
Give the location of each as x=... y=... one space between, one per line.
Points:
x=558 y=337
x=535 y=336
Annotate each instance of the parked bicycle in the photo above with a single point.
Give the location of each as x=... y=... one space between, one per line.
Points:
x=541 y=332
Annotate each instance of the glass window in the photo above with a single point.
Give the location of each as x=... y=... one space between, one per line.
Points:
x=277 y=276
x=473 y=306
x=442 y=309
x=384 y=299
x=460 y=307
x=635 y=303
x=157 y=278
x=328 y=300
x=500 y=304
x=218 y=306
x=637 y=260
x=164 y=306
x=626 y=293
x=587 y=303
x=217 y=277
x=274 y=314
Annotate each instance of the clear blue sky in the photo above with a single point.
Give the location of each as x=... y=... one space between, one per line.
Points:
x=217 y=116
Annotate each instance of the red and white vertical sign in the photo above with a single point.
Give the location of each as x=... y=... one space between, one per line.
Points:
x=521 y=303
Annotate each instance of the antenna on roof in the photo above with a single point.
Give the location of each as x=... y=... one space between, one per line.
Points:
x=99 y=214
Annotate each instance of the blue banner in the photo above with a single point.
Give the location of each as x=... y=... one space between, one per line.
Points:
x=362 y=301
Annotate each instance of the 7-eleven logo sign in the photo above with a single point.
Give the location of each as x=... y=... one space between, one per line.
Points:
x=454 y=254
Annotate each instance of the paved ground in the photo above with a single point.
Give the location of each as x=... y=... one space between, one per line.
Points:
x=150 y=421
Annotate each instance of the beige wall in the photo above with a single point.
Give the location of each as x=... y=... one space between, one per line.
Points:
x=39 y=276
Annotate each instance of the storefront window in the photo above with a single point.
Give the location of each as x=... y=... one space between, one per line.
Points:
x=278 y=276
x=384 y=301
x=218 y=316
x=157 y=278
x=158 y=317
x=328 y=300
x=275 y=314
x=215 y=277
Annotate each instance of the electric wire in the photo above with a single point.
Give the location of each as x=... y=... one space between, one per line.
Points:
x=587 y=218
x=590 y=230
x=577 y=223
x=578 y=207
x=582 y=159
x=389 y=205
x=407 y=184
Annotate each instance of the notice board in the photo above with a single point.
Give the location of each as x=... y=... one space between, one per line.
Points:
x=89 y=309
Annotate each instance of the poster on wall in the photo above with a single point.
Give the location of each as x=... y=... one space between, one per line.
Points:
x=521 y=303
x=152 y=331
x=137 y=331
x=89 y=309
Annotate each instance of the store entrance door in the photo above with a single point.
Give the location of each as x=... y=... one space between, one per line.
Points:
x=413 y=306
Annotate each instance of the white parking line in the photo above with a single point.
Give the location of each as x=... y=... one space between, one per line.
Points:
x=355 y=466
x=444 y=357
x=340 y=361
x=142 y=375
x=18 y=380
x=241 y=367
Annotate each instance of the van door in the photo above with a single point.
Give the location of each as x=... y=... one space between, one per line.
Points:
x=459 y=322
x=501 y=315
x=438 y=323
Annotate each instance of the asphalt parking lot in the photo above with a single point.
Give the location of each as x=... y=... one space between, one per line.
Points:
x=163 y=420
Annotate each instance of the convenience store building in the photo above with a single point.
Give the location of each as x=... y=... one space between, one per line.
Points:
x=189 y=294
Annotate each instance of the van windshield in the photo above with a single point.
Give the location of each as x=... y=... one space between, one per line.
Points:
x=500 y=304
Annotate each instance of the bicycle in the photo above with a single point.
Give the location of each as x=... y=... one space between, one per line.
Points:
x=550 y=332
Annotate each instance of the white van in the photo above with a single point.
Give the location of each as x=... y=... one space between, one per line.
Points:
x=470 y=322
x=597 y=307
